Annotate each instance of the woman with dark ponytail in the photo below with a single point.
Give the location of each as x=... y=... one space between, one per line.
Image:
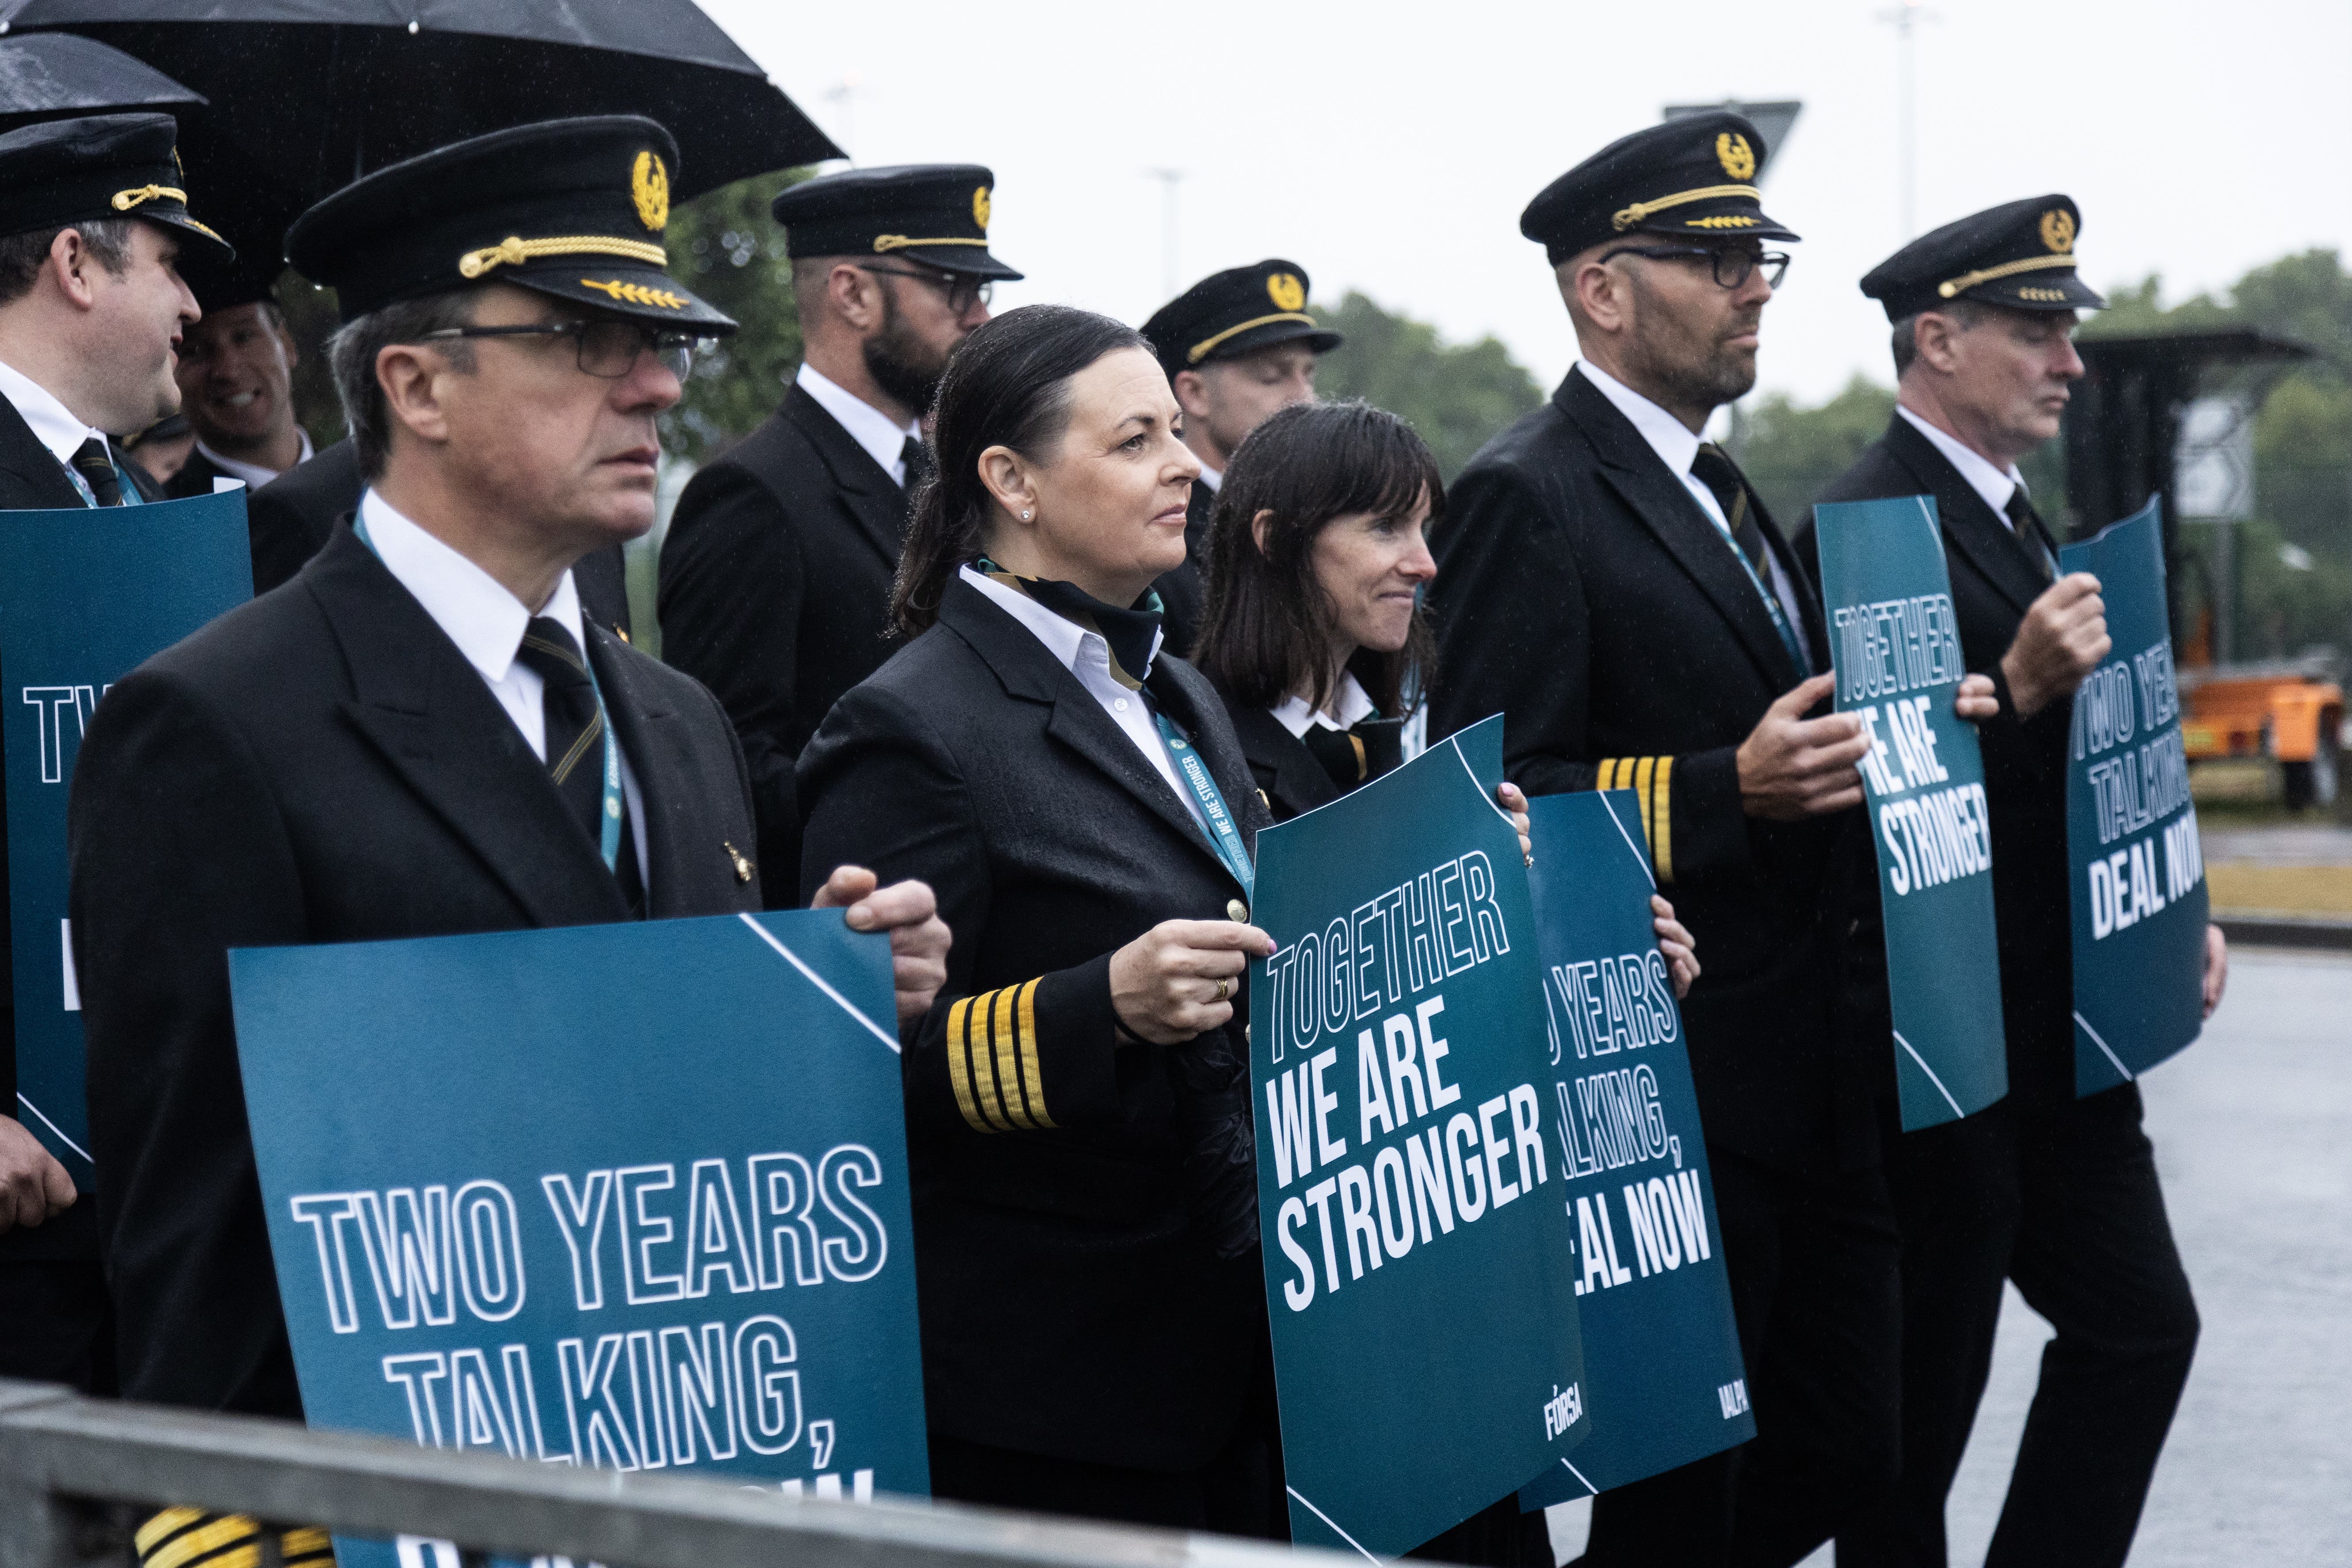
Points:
x=1078 y=1122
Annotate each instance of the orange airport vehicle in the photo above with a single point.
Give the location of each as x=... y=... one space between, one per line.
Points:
x=2289 y=713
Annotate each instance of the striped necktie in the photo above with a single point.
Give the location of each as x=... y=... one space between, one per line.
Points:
x=575 y=742
x=96 y=471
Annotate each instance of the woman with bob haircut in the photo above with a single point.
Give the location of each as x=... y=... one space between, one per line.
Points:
x=1084 y=1178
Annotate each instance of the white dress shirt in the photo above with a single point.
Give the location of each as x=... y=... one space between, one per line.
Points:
x=1352 y=701
x=486 y=622
x=52 y=423
x=1983 y=478
x=1085 y=655
x=868 y=426
x=254 y=475
x=1677 y=448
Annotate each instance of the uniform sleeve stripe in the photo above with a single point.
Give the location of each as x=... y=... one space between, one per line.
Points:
x=306 y=1545
x=218 y=1534
x=983 y=1062
x=1662 y=820
x=1032 y=1080
x=1642 y=771
x=1608 y=772
x=1000 y=1011
x=959 y=1063
x=163 y=1526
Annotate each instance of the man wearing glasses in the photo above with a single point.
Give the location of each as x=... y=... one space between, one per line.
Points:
x=775 y=574
x=1609 y=580
x=410 y=739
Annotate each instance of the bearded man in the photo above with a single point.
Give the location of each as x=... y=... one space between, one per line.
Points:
x=775 y=575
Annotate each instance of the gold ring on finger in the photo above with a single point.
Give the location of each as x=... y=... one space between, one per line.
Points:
x=1225 y=989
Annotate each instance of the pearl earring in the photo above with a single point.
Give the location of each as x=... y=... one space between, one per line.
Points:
x=1027 y=515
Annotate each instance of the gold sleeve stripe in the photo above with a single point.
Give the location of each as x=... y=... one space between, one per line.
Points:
x=217 y=1535
x=1608 y=772
x=1032 y=1080
x=298 y=1547
x=169 y=1522
x=1642 y=768
x=983 y=1063
x=1662 y=822
x=1001 y=1012
x=959 y=1063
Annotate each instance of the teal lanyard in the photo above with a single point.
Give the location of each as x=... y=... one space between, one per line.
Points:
x=609 y=819
x=1788 y=639
x=130 y=492
x=1195 y=773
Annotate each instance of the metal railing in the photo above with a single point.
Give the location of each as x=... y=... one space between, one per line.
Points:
x=68 y=1463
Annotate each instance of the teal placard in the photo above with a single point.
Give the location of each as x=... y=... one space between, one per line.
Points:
x=1662 y=1357
x=1418 y=1251
x=2138 y=871
x=629 y=1196
x=88 y=595
x=1897 y=645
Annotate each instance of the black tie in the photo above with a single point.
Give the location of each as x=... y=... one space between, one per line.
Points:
x=575 y=742
x=1713 y=468
x=1374 y=747
x=2026 y=523
x=97 y=469
x=917 y=457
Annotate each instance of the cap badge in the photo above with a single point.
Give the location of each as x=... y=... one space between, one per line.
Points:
x=1738 y=158
x=980 y=209
x=2058 y=229
x=649 y=188
x=1285 y=290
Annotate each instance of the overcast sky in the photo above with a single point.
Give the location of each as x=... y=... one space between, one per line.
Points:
x=1390 y=148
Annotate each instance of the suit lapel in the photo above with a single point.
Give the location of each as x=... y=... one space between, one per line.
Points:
x=438 y=729
x=1300 y=783
x=872 y=498
x=1027 y=669
x=692 y=872
x=1670 y=512
x=40 y=478
x=1974 y=529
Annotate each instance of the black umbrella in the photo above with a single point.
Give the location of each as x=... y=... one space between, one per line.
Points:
x=309 y=93
x=49 y=76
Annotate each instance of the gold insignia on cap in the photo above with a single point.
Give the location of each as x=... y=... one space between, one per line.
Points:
x=980 y=209
x=1738 y=158
x=2058 y=229
x=514 y=250
x=649 y=188
x=636 y=293
x=1285 y=290
x=125 y=200
x=1728 y=220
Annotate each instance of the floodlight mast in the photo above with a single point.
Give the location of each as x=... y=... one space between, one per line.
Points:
x=1169 y=274
x=1906 y=19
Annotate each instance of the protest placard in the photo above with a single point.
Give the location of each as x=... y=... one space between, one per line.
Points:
x=88 y=595
x=2137 y=870
x=1417 y=1250
x=631 y=1195
x=1897 y=645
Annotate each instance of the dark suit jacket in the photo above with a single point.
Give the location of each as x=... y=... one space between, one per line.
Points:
x=1583 y=593
x=31 y=480
x=319 y=766
x=1184 y=592
x=1995 y=578
x=775 y=592
x=291 y=517
x=1290 y=780
x=195 y=478
x=1069 y=1305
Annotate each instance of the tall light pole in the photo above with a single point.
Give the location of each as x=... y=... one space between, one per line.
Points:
x=1906 y=19
x=844 y=94
x=1168 y=276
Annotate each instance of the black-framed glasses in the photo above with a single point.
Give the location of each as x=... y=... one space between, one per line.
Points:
x=963 y=290
x=1732 y=267
x=607 y=349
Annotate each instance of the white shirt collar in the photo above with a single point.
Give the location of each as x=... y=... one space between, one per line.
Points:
x=1212 y=477
x=868 y=426
x=1668 y=437
x=1983 y=478
x=51 y=422
x=254 y=475
x=1352 y=701
x=1064 y=639
x=472 y=607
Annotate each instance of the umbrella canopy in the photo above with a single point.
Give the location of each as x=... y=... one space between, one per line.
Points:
x=52 y=76
x=308 y=94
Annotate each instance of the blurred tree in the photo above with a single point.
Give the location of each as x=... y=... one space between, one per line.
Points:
x=310 y=318
x=725 y=247
x=1456 y=396
x=1791 y=454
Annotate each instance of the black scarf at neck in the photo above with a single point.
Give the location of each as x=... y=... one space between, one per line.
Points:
x=1133 y=633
